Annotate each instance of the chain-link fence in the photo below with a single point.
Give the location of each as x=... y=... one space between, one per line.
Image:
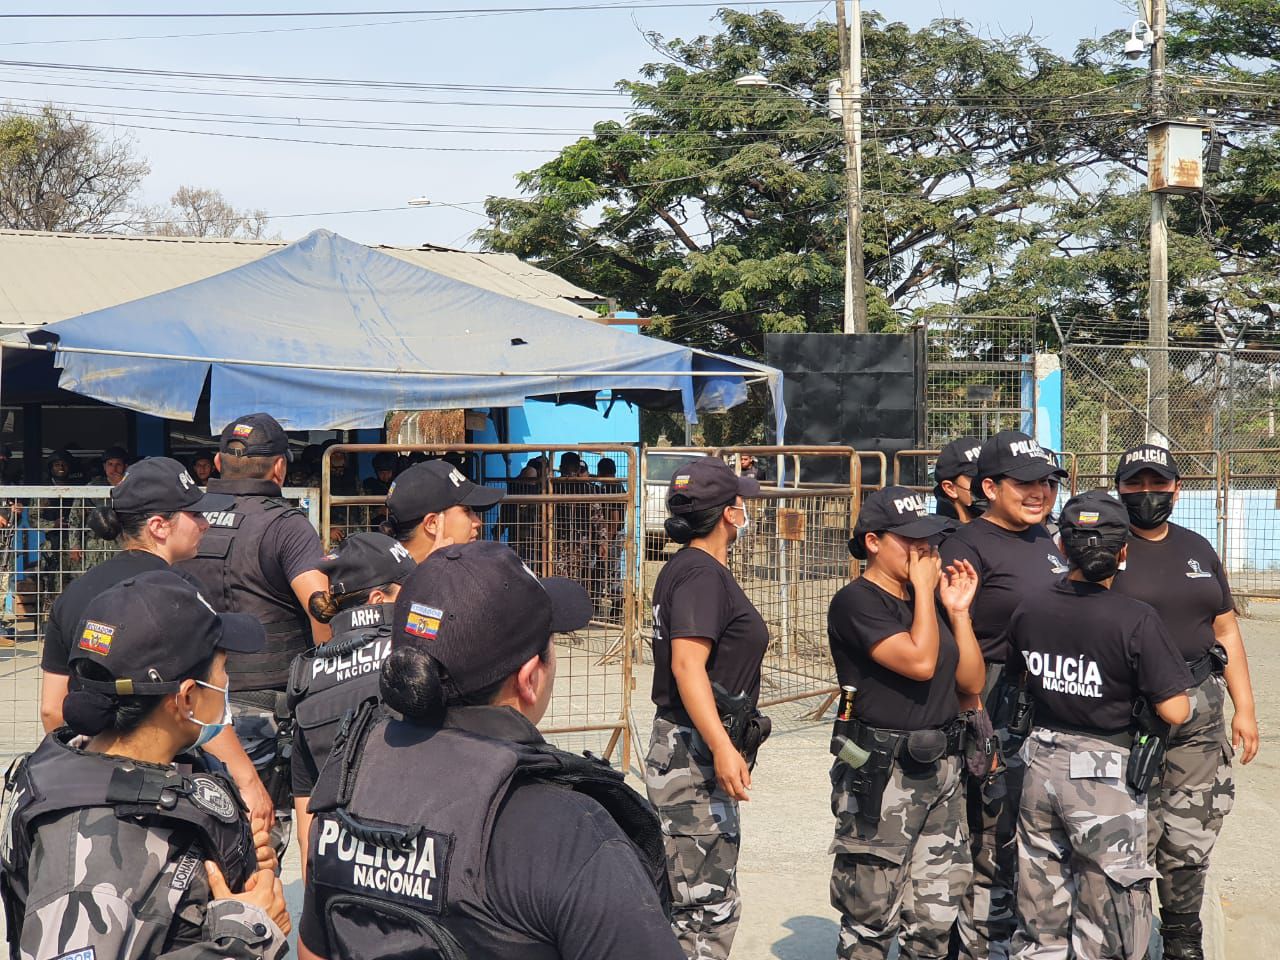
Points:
x=1249 y=540
x=792 y=560
x=980 y=376
x=567 y=511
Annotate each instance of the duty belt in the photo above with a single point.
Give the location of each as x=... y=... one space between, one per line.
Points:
x=1117 y=738
x=899 y=745
x=1212 y=663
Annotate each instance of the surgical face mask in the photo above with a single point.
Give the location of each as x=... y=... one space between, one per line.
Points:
x=1148 y=509
x=210 y=730
x=742 y=528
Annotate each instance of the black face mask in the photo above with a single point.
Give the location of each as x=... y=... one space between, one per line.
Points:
x=1148 y=509
x=979 y=505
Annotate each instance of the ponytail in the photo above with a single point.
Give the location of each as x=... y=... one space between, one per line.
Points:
x=402 y=531
x=412 y=686
x=324 y=605
x=108 y=524
x=91 y=712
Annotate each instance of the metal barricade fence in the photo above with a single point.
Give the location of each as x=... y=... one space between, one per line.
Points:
x=1249 y=541
x=45 y=543
x=791 y=562
x=580 y=527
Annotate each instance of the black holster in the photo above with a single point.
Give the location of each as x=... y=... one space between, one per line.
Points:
x=280 y=776
x=747 y=727
x=868 y=782
x=1146 y=755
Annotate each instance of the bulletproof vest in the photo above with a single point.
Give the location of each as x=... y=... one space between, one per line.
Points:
x=227 y=566
x=58 y=778
x=404 y=815
x=330 y=681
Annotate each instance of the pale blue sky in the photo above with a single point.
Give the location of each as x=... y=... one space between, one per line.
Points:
x=581 y=50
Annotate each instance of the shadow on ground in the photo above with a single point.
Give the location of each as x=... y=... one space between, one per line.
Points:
x=808 y=939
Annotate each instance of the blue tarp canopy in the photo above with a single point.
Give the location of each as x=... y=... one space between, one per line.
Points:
x=329 y=334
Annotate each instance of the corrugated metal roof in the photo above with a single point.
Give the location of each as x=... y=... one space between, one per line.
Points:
x=52 y=276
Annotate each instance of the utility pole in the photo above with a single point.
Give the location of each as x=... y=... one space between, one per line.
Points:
x=1158 y=309
x=855 y=280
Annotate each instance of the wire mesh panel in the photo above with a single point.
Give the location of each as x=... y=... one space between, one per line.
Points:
x=791 y=561
x=1198 y=506
x=1250 y=540
x=567 y=511
x=981 y=372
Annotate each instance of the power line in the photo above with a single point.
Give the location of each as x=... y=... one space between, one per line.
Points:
x=282 y=14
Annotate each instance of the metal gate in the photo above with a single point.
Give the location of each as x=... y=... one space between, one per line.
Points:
x=791 y=562
x=580 y=526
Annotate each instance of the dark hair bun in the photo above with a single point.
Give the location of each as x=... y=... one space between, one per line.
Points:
x=104 y=522
x=387 y=529
x=323 y=606
x=678 y=529
x=410 y=684
x=858 y=545
x=1097 y=561
x=89 y=712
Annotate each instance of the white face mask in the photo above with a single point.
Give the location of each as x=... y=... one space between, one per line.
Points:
x=210 y=730
x=743 y=527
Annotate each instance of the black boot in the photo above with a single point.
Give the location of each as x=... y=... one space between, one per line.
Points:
x=1182 y=935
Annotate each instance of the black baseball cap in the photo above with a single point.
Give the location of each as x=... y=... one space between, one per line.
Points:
x=1011 y=453
x=707 y=482
x=254 y=435
x=1149 y=456
x=958 y=458
x=364 y=561
x=152 y=630
x=480 y=613
x=433 y=487
x=1094 y=513
x=161 y=485
x=900 y=510
x=201 y=455
x=115 y=453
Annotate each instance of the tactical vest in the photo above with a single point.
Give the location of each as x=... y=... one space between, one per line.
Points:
x=228 y=568
x=57 y=778
x=330 y=681
x=398 y=867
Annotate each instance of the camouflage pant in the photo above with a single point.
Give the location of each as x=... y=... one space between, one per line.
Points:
x=257 y=729
x=987 y=915
x=1187 y=805
x=1084 y=884
x=903 y=878
x=702 y=832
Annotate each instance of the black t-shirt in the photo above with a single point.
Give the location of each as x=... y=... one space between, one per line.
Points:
x=1011 y=566
x=1182 y=577
x=696 y=596
x=1090 y=652
x=559 y=869
x=289 y=547
x=861 y=615
x=68 y=609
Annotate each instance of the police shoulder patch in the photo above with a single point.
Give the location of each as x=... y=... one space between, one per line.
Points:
x=211 y=796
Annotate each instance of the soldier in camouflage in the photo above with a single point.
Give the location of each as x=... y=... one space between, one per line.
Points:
x=1090 y=654
x=901 y=846
x=116 y=843
x=709 y=642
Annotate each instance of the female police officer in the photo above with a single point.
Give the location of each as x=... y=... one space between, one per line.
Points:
x=902 y=859
x=458 y=832
x=706 y=634
x=114 y=845
x=1015 y=558
x=1089 y=655
x=1179 y=573
x=331 y=680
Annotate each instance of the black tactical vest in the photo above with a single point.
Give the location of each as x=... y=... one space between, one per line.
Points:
x=227 y=567
x=332 y=680
x=399 y=857
x=57 y=778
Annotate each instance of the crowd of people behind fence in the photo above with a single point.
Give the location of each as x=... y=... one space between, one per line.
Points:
x=1031 y=725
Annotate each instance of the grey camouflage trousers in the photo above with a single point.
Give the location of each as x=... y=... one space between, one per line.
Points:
x=702 y=833
x=901 y=879
x=1188 y=803
x=256 y=728
x=1084 y=883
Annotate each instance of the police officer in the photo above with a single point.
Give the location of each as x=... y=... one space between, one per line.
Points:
x=261 y=557
x=433 y=503
x=1089 y=654
x=116 y=844
x=954 y=473
x=458 y=831
x=1015 y=558
x=1179 y=573
x=331 y=680
x=708 y=644
x=902 y=858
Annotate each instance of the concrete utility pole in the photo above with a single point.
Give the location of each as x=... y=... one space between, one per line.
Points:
x=855 y=279
x=1158 y=309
